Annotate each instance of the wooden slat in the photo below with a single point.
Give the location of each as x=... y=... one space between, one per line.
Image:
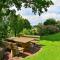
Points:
x=27 y=53
x=21 y=39
x=20 y=48
x=34 y=41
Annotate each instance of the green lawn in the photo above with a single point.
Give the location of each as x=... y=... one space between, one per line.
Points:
x=50 y=50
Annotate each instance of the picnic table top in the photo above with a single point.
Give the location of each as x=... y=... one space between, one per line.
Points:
x=21 y=39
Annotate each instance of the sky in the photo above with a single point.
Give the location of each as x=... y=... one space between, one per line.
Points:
x=53 y=12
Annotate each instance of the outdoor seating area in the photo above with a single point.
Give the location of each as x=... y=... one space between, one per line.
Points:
x=23 y=46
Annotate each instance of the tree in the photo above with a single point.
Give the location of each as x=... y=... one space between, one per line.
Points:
x=3 y=28
x=17 y=24
x=13 y=23
x=26 y=24
x=36 y=5
x=50 y=21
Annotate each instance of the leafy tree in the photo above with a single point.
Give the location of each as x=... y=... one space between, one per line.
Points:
x=36 y=5
x=50 y=22
x=3 y=28
x=17 y=24
x=14 y=24
x=26 y=24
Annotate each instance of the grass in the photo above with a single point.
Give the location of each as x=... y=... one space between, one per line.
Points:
x=50 y=50
x=54 y=37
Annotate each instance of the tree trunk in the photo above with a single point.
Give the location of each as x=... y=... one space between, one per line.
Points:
x=15 y=33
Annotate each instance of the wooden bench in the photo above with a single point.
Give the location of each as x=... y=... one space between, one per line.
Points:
x=26 y=53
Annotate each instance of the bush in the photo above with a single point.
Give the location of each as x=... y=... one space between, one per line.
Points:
x=25 y=32
x=49 y=29
x=58 y=24
x=32 y=31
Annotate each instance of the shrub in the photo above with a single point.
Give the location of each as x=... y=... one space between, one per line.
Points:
x=25 y=32
x=49 y=29
x=34 y=31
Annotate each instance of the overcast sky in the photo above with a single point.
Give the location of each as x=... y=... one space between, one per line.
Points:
x=53 y=12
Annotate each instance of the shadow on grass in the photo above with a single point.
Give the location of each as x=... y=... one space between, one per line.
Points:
x=55 y=37
x=31 y=51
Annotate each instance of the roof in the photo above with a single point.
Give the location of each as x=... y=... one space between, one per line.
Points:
x=21 y=39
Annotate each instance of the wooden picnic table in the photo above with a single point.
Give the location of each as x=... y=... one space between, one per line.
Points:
x=20 y=39
x=23 y=43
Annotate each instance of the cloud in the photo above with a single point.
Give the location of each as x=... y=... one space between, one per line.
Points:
x=51 y=15
x=56 y=2
x=53 y=12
